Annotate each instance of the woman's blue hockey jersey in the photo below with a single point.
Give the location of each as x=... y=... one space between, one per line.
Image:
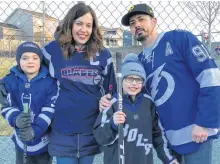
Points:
x=82 y=83
x=40 y=95
x=184 y=82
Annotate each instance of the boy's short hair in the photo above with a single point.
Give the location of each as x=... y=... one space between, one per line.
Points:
x=132 y=66
x=28 y=47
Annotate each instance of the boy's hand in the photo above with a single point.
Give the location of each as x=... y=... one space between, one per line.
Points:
x=119 y=118
x=199 y=134
x=26 y=134
x=174 y=162
x=104 y=102
x=23 y=120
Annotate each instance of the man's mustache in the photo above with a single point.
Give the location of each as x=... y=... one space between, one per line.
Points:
x=138 y=29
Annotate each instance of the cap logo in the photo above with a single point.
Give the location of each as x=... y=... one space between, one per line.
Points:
x=150 y=11
x=30 y=45
x=135 y=70
x=131 y=8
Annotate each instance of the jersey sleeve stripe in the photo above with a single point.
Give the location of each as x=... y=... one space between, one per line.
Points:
x=184 y=133
x=48 y=57
x=209 y=77
x=109 y=61
x=45 y=118
x=34 y=148
x=47 y=109
x=7 y=109
x=165 y=145
x=10 y=112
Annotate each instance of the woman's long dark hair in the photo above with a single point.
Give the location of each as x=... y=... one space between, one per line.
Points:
x=64 y=32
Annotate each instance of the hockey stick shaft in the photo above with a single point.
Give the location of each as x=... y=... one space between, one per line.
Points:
x=26 y=110
x=121 y=151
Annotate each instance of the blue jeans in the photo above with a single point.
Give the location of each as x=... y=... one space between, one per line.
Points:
x=202 y=156
x=74 y=160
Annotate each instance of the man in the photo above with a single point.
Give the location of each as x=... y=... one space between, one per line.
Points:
x=184 y=83
x=217 y=50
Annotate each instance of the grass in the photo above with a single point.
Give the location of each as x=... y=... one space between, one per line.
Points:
x=5 y=129
x=5 y=65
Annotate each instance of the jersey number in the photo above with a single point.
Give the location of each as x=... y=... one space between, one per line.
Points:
x=200 y=53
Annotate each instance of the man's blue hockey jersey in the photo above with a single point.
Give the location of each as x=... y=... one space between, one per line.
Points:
x=82 y=83
x=40 y=95
x=184 y=82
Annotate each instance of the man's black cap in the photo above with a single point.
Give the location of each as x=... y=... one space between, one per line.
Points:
x=134 y=10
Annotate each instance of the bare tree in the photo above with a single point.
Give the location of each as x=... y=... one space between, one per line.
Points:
x=206 y=12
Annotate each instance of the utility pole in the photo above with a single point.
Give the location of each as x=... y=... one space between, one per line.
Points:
x=43 y=11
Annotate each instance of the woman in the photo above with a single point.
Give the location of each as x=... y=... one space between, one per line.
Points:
x=84 y=70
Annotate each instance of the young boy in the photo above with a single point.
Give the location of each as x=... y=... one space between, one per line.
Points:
x=141 y=129
x=29 y=83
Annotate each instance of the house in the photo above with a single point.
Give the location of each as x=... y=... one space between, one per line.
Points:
x=36 y=26
x=117 y=37
x=128 y=39
x=10 y=36
x=9 y=32
x=112 y=37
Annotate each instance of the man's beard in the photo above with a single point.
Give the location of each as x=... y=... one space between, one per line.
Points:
x=144 y=36
x=141 y=37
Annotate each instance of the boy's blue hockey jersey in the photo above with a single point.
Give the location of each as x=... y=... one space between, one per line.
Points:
x=82 y=83
x=184 y=82
x=40 y=94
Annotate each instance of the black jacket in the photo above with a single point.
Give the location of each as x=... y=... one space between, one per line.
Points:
x=141 y=133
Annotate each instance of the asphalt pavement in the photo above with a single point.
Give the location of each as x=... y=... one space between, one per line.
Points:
x=7 y=153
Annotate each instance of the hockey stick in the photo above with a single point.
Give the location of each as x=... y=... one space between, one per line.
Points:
x=121 y=152
x=110 y=88
x=26 y=110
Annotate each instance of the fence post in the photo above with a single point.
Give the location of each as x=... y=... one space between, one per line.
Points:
x=43 y=30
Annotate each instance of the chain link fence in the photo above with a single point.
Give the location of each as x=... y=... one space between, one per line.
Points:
x=36 y=21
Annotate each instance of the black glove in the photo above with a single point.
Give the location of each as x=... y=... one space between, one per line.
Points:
x=3 y=94
x=23 y=120
x=26 y=134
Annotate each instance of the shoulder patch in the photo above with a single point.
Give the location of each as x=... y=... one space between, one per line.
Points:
x=169 y=50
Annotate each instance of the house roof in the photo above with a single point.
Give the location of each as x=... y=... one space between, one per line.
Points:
x=110 y=29
x=34 y=13
x=38 y=14
x=102 y=27
x=8 y=25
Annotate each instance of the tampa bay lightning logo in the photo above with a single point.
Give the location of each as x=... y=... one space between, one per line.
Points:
x=156 y=77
